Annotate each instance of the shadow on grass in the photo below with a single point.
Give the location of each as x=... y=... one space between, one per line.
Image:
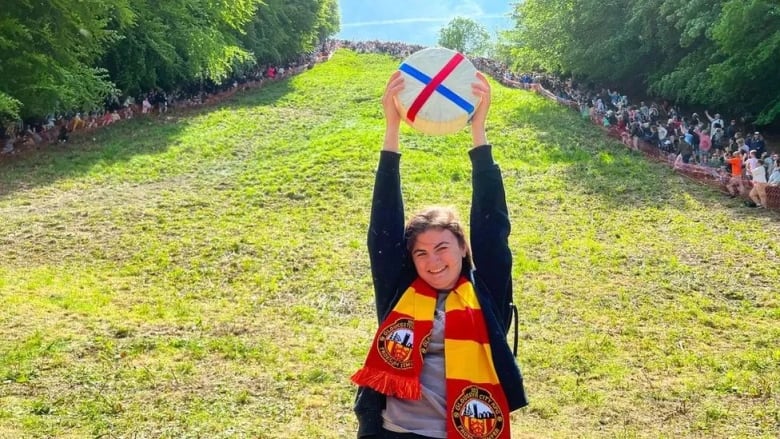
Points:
x=144 y=135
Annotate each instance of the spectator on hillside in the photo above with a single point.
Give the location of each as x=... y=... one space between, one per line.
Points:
x=106 y=119
x=93 y=121
x=731 y=130
x=751 y=162
x=662 y=133
x=651 y=136
x=635 y=130
x=145 y=105
x=770 y=162
x=63 y=136
x=32 y=134
x=718 y=138
x=49 y=122
x=655 y=113
x=742 y=147
x=8 y=143
x=161 y=101
x=734 y=186
x=756 y=142
x=714 y=121
x=758 y=175
x=685 y=150
x=644 y=110
x=77 y=122
x=705 y=145
x=774 y=178
x=692 y=137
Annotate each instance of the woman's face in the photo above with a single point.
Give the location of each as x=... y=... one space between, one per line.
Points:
x=438 y=258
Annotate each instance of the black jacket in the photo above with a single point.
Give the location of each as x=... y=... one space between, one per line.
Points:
x=393 y=270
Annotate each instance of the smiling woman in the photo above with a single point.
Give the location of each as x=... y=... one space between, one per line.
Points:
x=434 y=295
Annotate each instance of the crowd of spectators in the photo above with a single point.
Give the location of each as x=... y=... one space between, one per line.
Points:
x=58 y=127
x=704 y=147
x=394 y=49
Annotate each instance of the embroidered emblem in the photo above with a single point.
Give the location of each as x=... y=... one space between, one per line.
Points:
x=426 y=341
x=395 y=344
x=477 y=415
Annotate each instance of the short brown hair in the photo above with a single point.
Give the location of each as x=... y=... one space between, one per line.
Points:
x=441 y=218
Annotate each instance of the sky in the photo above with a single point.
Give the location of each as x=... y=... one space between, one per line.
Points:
x=417 y=21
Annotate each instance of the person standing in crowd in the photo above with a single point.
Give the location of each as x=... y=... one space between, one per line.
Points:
x=444 y=307
x=756 y=142
x=770 y=161
x=715 y=122
x=758 y=175
x=685 y=150
x=774 y=177
x=705 y=145
x=731 y=130
x=734 y=186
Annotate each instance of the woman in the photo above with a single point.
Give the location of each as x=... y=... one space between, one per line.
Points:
x=439 y=366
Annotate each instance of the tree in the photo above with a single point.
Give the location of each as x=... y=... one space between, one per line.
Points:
x=65 y=55
x=177 y=42
x=285 y=29
x=49 y=52
x=699 y=52
x=466 y=36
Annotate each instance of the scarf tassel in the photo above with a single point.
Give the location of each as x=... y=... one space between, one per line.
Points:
x=387 y=383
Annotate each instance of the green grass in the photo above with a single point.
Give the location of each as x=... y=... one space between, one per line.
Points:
x=205 y=274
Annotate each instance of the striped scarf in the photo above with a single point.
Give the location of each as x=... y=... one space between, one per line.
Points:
x=476 y=405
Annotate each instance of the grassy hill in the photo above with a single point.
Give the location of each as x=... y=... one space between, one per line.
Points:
x=205 y=274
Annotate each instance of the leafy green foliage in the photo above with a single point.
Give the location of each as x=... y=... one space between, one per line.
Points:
x=465 y=36
x=72 y=54
x=284 y=29
x=9 y=108
x=177 y=42
x=748 y=35
x=705 y=52
x=49 y=52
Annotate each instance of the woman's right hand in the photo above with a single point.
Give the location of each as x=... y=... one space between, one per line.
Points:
x=394 y=85
x=392 y=117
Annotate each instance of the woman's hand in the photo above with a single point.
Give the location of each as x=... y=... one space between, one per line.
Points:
x=480 y=89
x=392 y=118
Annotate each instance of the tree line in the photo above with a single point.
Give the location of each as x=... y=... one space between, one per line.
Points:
x=72 y=54
x=714 y=53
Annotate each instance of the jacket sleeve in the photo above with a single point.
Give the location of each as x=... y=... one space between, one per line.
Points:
x=490 y=229
x=386 y=246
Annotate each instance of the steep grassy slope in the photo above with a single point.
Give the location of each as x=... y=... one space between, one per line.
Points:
x=205 y=275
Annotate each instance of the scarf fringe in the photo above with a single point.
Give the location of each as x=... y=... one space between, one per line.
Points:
x=387 y=383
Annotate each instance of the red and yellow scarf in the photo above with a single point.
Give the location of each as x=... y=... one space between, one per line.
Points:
x=476 y=402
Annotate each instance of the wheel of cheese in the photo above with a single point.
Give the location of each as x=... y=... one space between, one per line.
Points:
x=437 y=97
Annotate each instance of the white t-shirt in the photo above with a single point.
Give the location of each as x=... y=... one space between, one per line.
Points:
x=759 y=174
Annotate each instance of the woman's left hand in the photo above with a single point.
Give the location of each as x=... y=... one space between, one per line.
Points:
x=481 y=90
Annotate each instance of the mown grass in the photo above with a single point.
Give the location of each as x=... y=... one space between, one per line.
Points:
x=205 y=275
